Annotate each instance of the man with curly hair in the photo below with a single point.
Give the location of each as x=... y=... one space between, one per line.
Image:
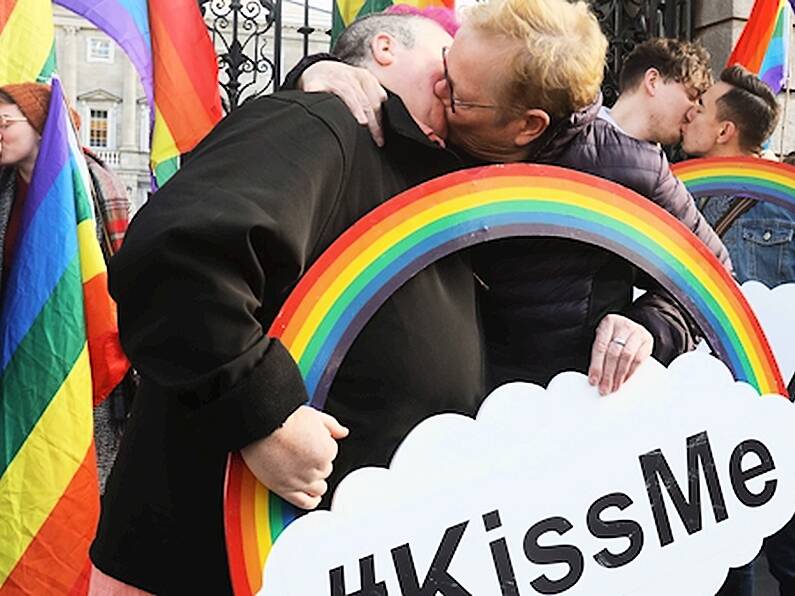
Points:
x=660 y=81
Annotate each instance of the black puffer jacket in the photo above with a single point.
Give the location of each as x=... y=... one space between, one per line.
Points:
x=541 y=298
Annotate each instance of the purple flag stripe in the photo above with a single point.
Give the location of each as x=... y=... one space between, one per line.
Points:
x=52 y=158
x=117 y=19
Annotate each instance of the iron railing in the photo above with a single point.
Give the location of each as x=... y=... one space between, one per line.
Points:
x=248 y=37
x=627 y=23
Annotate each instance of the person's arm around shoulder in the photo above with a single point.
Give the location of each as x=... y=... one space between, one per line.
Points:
x=357 y=87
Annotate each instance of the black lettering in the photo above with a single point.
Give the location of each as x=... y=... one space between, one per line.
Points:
x=653 y=464
x=740 y=477
x=620 y=528
x=500 y=556
x=545 y=555
x=367 y=579
x=438 y=580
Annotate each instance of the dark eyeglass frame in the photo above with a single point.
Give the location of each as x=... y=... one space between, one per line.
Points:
x=6 y=121
x=459 y=102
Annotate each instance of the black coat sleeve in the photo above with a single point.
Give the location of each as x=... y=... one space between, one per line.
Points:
x=671 y=193
x=670 y=326
x=674 y=331
x=210 y=258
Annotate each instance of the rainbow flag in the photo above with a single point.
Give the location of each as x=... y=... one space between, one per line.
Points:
x=27 y=41
x=58 y=348
x=763 y=46
x=168 y=43
x=344 y=12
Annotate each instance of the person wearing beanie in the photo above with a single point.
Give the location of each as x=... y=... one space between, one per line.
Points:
x=23 y=114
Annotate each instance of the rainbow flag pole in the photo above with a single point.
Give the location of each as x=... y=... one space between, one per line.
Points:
x=58 y=349
x=27 y=41
x=168 y=43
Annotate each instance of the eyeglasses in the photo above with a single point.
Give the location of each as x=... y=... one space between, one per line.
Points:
x=458 y=102
x=6 y=121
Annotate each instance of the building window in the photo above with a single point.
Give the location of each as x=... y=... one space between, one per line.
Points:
x=98 y=129
x=143 y=127
x=100 y=50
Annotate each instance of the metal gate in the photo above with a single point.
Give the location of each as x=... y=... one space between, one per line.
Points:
x=248 y=36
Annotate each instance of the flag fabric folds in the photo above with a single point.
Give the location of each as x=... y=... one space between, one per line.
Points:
x=763 y=46
x=27 y=41
x=344 y=12
x=58 y=349
x=169 y=45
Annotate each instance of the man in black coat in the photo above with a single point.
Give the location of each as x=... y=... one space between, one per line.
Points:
x=205 y=266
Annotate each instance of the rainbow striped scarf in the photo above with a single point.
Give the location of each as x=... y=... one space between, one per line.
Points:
x=58 y=349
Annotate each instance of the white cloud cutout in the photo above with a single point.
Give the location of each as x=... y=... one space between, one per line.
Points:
x=536 y=455
x=774 y=309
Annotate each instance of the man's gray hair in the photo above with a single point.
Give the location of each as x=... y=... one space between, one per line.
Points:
x=353 y=46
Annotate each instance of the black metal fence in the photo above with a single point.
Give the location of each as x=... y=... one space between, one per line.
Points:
x=248 y=35
x=630 y=22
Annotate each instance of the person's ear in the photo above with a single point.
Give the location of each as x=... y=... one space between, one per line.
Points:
x=651 y=79
x=726 y=132
x=382 y=47
x=533 y=124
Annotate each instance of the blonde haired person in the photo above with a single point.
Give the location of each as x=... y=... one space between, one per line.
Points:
x=557 y=52
x=521 y=83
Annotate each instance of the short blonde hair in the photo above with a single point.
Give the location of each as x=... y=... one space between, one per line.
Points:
x=559 y=65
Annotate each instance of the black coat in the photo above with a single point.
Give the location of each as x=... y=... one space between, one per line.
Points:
x=542 y=298
x=204 y=268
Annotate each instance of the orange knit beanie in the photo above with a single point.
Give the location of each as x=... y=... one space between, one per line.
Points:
x=32 y=99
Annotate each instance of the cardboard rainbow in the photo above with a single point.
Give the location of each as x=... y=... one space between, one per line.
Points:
x=656 y=490
x=347 y=284
x=760 y=179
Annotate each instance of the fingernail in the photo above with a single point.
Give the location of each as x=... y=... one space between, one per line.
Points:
x=592 y=380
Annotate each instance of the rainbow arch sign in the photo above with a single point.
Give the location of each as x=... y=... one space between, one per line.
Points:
x=757 y=178
x=364 y=266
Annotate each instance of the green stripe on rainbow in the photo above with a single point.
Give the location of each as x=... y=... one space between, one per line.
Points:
x=364 y=266
x=744 y=176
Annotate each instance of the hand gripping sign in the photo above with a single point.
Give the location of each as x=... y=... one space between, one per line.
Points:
x=372 y=259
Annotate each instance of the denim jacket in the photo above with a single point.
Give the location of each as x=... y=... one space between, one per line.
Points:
x=761 y=242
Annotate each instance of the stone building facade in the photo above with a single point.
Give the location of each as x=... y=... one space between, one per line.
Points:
x=102 y=84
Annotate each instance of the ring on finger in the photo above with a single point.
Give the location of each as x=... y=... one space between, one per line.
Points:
x=619 y=340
